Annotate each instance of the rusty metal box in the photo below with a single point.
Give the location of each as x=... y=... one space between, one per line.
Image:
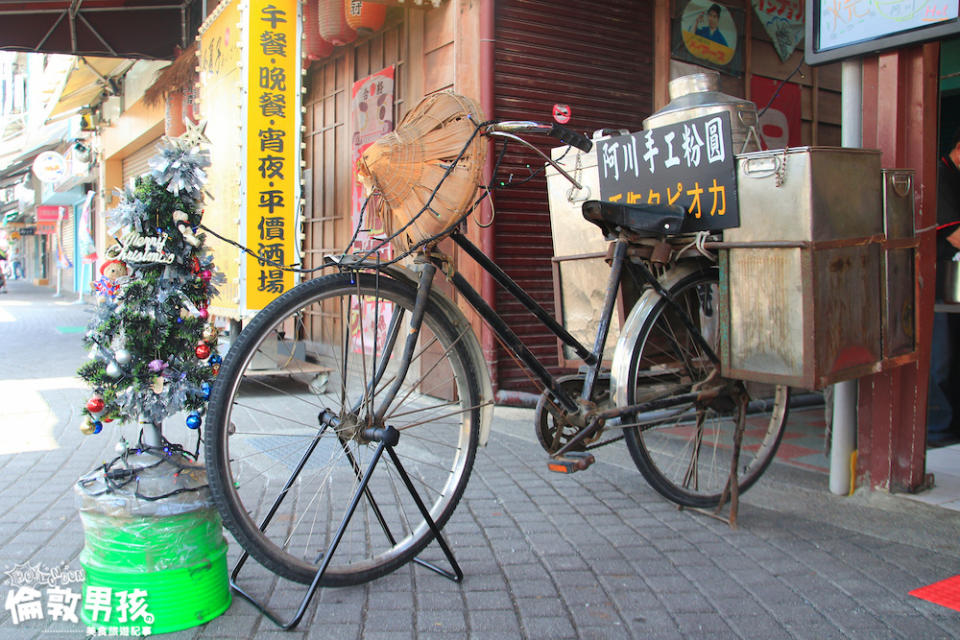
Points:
x=898 y=203
x=899 y=310
x=801 y=282
x=899 y=324
x=579 y=271
x=808 y=194
x=804 y=316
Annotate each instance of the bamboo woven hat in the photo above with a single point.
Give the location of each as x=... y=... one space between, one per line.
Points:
x=407 y=164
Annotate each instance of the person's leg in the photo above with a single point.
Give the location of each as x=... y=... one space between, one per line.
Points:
x=939 y=401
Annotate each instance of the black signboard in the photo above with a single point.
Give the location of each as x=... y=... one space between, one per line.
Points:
x=690 y=164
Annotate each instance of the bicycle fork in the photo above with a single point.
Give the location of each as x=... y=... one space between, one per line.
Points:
x=416 y=323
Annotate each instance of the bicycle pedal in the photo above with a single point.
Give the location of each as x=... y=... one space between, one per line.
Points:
x=571 y=462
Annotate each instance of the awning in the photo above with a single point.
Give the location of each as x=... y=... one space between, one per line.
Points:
x=149 y=29
x=90 y=80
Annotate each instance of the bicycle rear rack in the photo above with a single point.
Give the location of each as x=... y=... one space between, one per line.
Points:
x=388 y=438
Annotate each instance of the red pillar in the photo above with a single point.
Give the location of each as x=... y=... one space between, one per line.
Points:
x=900 y=118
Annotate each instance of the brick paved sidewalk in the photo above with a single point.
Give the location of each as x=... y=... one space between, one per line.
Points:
x=593 y=555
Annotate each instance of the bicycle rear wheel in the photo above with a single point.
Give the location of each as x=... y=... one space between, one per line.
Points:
x=685 y=451
x=286 y=417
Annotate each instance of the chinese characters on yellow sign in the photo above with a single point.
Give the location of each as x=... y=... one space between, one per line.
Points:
x=250 y=98
x=272 y=149
x=690 y=164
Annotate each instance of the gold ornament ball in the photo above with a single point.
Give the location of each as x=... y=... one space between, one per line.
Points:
x=86 y=427
x=210 y=333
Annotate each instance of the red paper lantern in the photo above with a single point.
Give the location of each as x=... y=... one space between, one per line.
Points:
x=332 y=23
x=365 y=17
x=173 y=125
x=314 y=46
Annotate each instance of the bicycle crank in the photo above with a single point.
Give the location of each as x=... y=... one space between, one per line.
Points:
x=556 y=427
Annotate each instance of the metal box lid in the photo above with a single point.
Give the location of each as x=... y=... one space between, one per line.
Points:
x=808 y=194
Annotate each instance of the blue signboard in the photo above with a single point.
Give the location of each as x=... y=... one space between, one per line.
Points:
x=690 y=164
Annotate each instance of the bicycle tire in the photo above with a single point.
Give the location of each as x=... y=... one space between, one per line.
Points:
x=685 y=452
x=320 y=336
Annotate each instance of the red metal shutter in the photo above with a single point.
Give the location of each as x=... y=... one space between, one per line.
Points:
x=596 y=57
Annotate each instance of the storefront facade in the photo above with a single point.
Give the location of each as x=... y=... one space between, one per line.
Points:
x=610 y=64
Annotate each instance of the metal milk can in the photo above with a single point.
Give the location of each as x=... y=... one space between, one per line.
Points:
x=698 y=95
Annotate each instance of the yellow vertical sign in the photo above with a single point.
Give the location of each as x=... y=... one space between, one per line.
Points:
x=272 y=148
x=221 y=107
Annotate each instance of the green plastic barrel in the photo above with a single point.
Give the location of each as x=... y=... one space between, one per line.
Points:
x=176 y=565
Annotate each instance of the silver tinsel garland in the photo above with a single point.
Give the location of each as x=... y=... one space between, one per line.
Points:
x=181 y=168
x=131 y=213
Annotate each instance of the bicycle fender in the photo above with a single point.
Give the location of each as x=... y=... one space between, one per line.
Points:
x=453 y=313
x=630 y=333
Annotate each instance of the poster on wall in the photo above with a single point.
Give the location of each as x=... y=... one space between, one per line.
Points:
x=371 y=116
x=708 y=34
x=783 y=22
x=780 y=123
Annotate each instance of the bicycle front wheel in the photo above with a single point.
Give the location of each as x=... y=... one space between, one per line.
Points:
x=685 y=451
x=285 y=445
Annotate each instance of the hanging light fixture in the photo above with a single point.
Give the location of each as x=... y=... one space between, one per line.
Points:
x=332 y=22
x=315 y=47
x=364 y=17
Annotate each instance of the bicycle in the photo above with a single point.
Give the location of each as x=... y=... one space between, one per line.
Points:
x=376 y=351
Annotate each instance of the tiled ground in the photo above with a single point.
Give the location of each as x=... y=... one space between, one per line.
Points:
x=804 y=446
x=804 y=441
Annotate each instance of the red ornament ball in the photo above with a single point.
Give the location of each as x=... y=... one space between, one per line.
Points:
x=206 y=275
x=95 y=404
x=202 y=350
x=203 y=313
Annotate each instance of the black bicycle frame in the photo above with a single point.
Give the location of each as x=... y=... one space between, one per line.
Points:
x=593 y=359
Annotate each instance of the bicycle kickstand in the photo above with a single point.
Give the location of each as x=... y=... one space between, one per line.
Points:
x=388 y=438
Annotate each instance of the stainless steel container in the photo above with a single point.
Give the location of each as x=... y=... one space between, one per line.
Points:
x=801 y=295
x=898 y=203
x=951 y=281
x=899 y=322
x=808 y=193
x=699 y=95
x=806 y=316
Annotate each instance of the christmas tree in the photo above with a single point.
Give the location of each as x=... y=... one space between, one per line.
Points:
x=152 y=347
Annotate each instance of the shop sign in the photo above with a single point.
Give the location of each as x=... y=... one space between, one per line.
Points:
x=46 y=228
x=50 y=167
x=273 y=169
x=690 y=164
x=249 y=59
x=52 y=212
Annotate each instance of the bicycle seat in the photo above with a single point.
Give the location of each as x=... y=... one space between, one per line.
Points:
x=653 y=220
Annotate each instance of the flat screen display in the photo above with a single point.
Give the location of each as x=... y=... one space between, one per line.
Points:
x=839 y=29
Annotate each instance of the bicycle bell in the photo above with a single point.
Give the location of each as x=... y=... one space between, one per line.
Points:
x=698 y=95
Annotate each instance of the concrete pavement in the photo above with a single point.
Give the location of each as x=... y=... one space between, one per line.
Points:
x=593 y=555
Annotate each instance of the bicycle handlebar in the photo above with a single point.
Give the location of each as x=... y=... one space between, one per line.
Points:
x=552 y=129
